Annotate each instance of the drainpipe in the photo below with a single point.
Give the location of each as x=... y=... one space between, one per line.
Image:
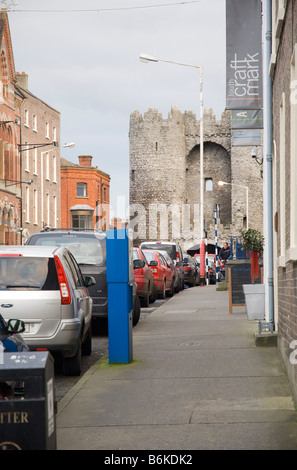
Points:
x=267 y=169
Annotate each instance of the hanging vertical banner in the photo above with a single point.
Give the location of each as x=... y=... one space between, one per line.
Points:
x=247 y=119
x=244 y=88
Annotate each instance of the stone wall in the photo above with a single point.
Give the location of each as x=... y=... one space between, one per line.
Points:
x=165 y=178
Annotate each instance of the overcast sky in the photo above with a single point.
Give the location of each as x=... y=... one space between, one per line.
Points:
x=86 y=65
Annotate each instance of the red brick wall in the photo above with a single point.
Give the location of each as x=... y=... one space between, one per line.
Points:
x=96 y=182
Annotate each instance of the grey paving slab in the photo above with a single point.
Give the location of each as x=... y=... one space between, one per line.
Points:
x=197 y=381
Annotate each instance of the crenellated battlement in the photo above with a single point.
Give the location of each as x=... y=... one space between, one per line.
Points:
x=165 y=170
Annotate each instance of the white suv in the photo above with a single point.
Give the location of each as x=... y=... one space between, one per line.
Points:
x=44 y=287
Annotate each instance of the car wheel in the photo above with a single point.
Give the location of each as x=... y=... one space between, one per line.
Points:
x=177 y=289
x=162 y=294
x=154 y=295
x=171 y=292
x=87 y=345
x=145 y=301
x=192 y=284
x=72 y=365
x=136 y=310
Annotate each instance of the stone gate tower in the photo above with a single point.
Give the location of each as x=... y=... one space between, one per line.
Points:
x=165 y=178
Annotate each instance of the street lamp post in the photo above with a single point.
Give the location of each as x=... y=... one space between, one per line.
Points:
x=222 y=183
x=148 y=58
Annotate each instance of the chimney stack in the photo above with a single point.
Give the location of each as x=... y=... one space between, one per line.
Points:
x=85 y=160
x=22 y=80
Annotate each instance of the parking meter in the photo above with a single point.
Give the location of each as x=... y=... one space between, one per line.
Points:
x=119 y=277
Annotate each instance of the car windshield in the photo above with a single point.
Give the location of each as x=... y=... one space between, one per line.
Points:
x=149 y=256
x=86 y=249
x=170 y=249
x=27 y=273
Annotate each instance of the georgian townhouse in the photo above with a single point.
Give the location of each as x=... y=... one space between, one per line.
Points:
x=40 y=161
x=10 y=163
x=283 y=72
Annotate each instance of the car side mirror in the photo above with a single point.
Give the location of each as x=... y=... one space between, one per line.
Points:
x=138 y=263
x=15 y=326
x=153 y=263
x=89 y=281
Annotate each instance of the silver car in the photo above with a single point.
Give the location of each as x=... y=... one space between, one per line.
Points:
x=44 y=287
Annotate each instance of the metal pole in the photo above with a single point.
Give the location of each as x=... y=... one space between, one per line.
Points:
x=201 y=156
x=149 y=58
x=247 y=207
x=267 y=172
x=216 y=246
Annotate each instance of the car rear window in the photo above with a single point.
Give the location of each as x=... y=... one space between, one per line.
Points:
x=171 y=249
x=28 y=273
x=87 y=250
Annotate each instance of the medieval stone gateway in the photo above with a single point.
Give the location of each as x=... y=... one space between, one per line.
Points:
x=165 y=178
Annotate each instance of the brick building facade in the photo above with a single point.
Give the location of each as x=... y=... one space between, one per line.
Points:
x=40 y=162
x=10 y=176
x=84 y=195
x=165 y=178
x=283 y=71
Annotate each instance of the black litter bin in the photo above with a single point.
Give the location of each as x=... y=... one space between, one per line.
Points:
x=27 y=415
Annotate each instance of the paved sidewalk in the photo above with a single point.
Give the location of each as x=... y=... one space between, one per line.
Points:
x=197 y=381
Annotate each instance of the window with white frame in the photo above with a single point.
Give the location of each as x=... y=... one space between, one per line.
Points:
x=293 y=168
x=47 y=130
x=54 y=168
x=27 y=207
x=26 y=118
x=27 y=157
x=35 y=206
x=81 y=190
x=47 y=165
x=54 y=134
x=282 y=179
x=55 y=211
x=48 y=209
x=35 y=160
x=34 y=122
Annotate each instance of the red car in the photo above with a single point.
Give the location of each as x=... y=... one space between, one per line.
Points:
x=144 y=278
x=162 y=273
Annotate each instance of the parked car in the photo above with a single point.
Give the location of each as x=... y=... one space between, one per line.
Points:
x=211 y=261
x=44 y=287
x=163 y=276
x=191 y=271
x=197 y=264
x=211 y=272
x=144 y=278
x=10 y=336
x=172 y=265
x=89 y=250
x=174 y=250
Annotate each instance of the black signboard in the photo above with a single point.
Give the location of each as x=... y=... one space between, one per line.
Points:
x=239 y=274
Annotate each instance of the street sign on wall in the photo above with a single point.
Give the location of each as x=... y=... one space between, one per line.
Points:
x=244 y=89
